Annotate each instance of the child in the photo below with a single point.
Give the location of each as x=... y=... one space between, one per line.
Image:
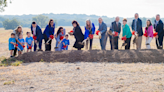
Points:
x=29 y=40
x=65 y=43
x=20 y=48
x=12 y=42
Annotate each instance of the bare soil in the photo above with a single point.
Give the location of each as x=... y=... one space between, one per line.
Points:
x=120 y=56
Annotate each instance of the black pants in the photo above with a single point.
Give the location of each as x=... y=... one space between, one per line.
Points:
x=114 y=42
x=128 y=40
x=47 y=46
x=15 y=52
x=90 y=45
x=160 y=40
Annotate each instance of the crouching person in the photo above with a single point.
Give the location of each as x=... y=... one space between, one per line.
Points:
x=59 y=38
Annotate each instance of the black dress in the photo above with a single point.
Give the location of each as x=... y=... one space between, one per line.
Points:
x=79 y=36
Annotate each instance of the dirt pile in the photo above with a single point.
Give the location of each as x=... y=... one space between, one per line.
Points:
x=124 y=56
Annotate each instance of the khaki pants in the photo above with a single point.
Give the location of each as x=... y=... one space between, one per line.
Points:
x=138 y=42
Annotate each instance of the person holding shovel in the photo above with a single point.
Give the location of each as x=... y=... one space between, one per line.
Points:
x=102 y=33
x=137 y=28
x=158 y=26
x=149 y=32
x=116 y=29
x=29 y=41
x=49 y=31
x=89 y=32
x=79 y=36
x=59 y=38
x=20 y=48
x=18 y=31
x=126 y=34
x=37 y=31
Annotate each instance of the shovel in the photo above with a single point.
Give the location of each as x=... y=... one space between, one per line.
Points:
x=124 y=44
x=159 y=47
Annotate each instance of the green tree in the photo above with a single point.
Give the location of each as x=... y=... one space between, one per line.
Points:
x=41 y=20
x=3 y=3
x=11 y=24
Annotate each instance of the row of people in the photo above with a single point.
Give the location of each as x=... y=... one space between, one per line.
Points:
x=90 y=31
x=137 y=31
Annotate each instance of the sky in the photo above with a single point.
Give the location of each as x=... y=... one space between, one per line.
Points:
x=110 y=8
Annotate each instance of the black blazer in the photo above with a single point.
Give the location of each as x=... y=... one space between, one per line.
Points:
x=139 y=26
x=159 y=27
x=115 y=27
x=79 y=36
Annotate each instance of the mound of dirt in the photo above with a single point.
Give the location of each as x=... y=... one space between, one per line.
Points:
x=124 y=56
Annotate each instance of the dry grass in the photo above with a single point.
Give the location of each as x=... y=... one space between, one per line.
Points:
x=83 y=77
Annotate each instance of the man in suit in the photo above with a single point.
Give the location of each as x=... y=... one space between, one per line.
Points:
x=36 y=31
x=115 y=27
x=102 y=33
x=137 y=27
x=158 y=26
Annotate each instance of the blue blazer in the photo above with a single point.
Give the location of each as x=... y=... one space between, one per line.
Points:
x=159 y=27
x=102 y=29
x=139 y=26
x=86 y=35
x=49 y=30
x=39 y=34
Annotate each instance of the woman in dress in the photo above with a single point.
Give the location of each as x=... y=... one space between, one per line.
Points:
x=79 y=36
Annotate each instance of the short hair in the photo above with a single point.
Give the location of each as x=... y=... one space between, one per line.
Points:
x=125 y=20
x=33 y=22
x=13 y=34
x=27 y=33
x=75 y=22
x=66 y=35
x=158 y=15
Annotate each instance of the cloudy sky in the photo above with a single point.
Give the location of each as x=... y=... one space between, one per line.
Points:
x=110 y=8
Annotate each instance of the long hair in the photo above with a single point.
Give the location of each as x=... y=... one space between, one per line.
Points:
x=75 y=22
x=18 y=28
x=90 y=24
x=50 y=22
x=149 y=24
x=59 y=30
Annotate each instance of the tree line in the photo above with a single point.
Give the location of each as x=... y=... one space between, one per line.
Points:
x=11 y=21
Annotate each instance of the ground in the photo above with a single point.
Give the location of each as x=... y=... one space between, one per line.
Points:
x=83 y=77
x=93 y=71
